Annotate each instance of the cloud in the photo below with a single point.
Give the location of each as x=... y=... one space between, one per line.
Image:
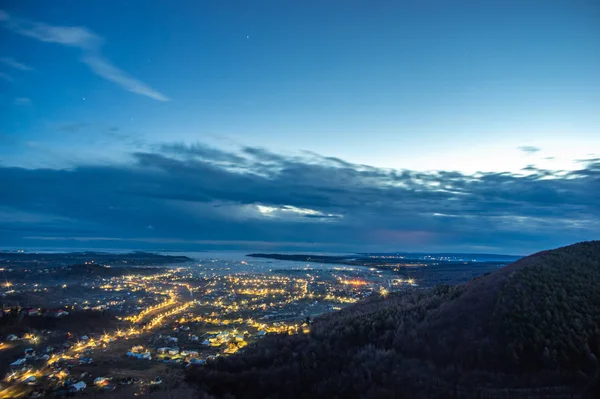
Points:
x=103 y=68
x=22 y=101
x=529 y=149
x=89 y=43
x=198 y=195
x=72 y=127
x=292 y=213
x=11 y=62
x=6 y=77
x=201 y=151
x=167 y=240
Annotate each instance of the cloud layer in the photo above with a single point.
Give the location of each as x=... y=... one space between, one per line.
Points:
x=6 y=77
x=83 y=39
x=195 y=196
x=11 y=62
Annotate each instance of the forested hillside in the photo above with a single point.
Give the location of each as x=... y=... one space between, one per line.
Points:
x=529 y=330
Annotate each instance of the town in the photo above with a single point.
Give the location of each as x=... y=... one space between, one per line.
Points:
x=101 y=325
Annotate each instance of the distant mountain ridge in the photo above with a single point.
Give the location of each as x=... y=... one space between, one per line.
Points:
x=528 y=330
x=34 y=259
x=366 y=255
x=416 y=255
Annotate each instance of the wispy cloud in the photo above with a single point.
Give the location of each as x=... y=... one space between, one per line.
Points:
x=22 y=101
x=11 y=62
x=6 y=77
x=72 y=127
x=103 y=68
x=89 y=43
x=529 y=149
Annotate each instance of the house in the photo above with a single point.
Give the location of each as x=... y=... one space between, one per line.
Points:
x=12 y=337
x=173 y=351
x=78 y=387
x=163 y=350
x=100 y=381
x=29 y=380
x=27 y=336
x=33 y=312
x=206 y=342
x=145 y=355
x=18 y=363
x=189 y=353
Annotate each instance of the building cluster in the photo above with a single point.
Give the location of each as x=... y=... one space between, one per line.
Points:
x=184 y=317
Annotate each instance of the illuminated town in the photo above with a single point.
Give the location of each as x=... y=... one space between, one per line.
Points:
x=100 y=327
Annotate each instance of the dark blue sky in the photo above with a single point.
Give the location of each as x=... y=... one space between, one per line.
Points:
x=413 y=125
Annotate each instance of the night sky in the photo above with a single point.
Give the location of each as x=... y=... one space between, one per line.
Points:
x=310 y=125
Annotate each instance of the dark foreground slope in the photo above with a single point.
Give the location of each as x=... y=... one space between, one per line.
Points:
x=529 y=330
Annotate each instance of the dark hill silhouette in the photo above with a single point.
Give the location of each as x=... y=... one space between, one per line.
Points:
x=529 y=330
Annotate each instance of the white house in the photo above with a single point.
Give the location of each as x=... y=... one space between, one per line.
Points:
x=80 y=386
x=18 y=362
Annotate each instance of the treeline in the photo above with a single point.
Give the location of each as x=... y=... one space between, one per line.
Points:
x=83 y=321
x=80 y=272
x=528 y=330
x=549 y=316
